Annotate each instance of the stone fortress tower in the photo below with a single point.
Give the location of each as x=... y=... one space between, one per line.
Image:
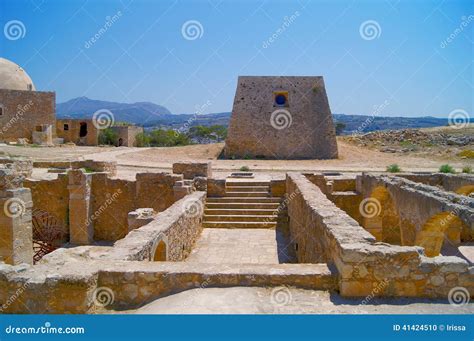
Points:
x=281 y=118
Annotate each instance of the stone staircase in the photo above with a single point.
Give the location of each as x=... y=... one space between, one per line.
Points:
x=246 y=204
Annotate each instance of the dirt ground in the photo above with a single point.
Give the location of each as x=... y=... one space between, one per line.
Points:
x=155 y=159
x=283 y=300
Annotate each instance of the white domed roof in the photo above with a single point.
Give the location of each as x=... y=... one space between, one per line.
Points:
x=13 y=77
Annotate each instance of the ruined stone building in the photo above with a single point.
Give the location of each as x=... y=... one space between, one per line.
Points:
x=30 y=115
x=281 y=118
x=24 y=112
x=80 y=132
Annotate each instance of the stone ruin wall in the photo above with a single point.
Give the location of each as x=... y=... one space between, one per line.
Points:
x=52 y=196
x=366 y=267
x=73 y=132
x=23 y=111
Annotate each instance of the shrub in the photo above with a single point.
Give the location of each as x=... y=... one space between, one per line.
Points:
x=446 y=169
x=394 y=168
x=467 y=169
x=142 y=140
x=108 y=136
x=244 y=169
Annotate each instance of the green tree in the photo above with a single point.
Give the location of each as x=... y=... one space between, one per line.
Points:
x=108 y=137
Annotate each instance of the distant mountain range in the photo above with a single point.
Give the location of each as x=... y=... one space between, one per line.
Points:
x=150 y=115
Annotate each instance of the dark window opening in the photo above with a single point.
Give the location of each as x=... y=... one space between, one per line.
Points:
x=83 y=130
x=1 y=111
x=66 y=127
x=39 y=128
x=280 y=98
x=120 y=142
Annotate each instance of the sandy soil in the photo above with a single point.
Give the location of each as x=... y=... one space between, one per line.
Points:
x=133 y=160
x=248 y=300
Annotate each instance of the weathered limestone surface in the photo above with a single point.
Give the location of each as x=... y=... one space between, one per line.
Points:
x=70 y=288
x=16 y=233
x=22 y=166
x=179 y=225
x=52 y=196
x=450 y=182
x=215 y=187
x=260 y=128
x=423 y=213
x=24 y=111
x=190 y=170
x=140 y=217
x=365 y=266
x=81 y=226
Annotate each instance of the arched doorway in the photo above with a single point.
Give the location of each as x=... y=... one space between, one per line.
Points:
x=160 y=252
x=120 y=142
x=384 y=222
x=440 y=228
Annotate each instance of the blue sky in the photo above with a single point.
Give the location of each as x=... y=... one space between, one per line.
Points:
x=392 y=57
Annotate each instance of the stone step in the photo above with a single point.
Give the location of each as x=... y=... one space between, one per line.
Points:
x=244 y=199
x=247 y=194
x=247 y=183
x=238 y=211
x=239 y=225
x=240 y=218
x=263 y=189
x=242 y=205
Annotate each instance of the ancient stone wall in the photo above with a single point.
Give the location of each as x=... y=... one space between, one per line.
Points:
x=52 y=196
x=90 y=165
x=74 y=287
x=458 y=183
x=281 y=118
x=113 y=199
x=80 y=132
x=190 y=170
x=23 y=111
x=126 y=135
x=323 y=232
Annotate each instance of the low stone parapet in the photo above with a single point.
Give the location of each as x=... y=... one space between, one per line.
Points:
x=192 y=169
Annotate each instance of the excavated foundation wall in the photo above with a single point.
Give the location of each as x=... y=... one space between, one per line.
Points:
x=325 y=233
x=52 y=196
x=449 y=182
